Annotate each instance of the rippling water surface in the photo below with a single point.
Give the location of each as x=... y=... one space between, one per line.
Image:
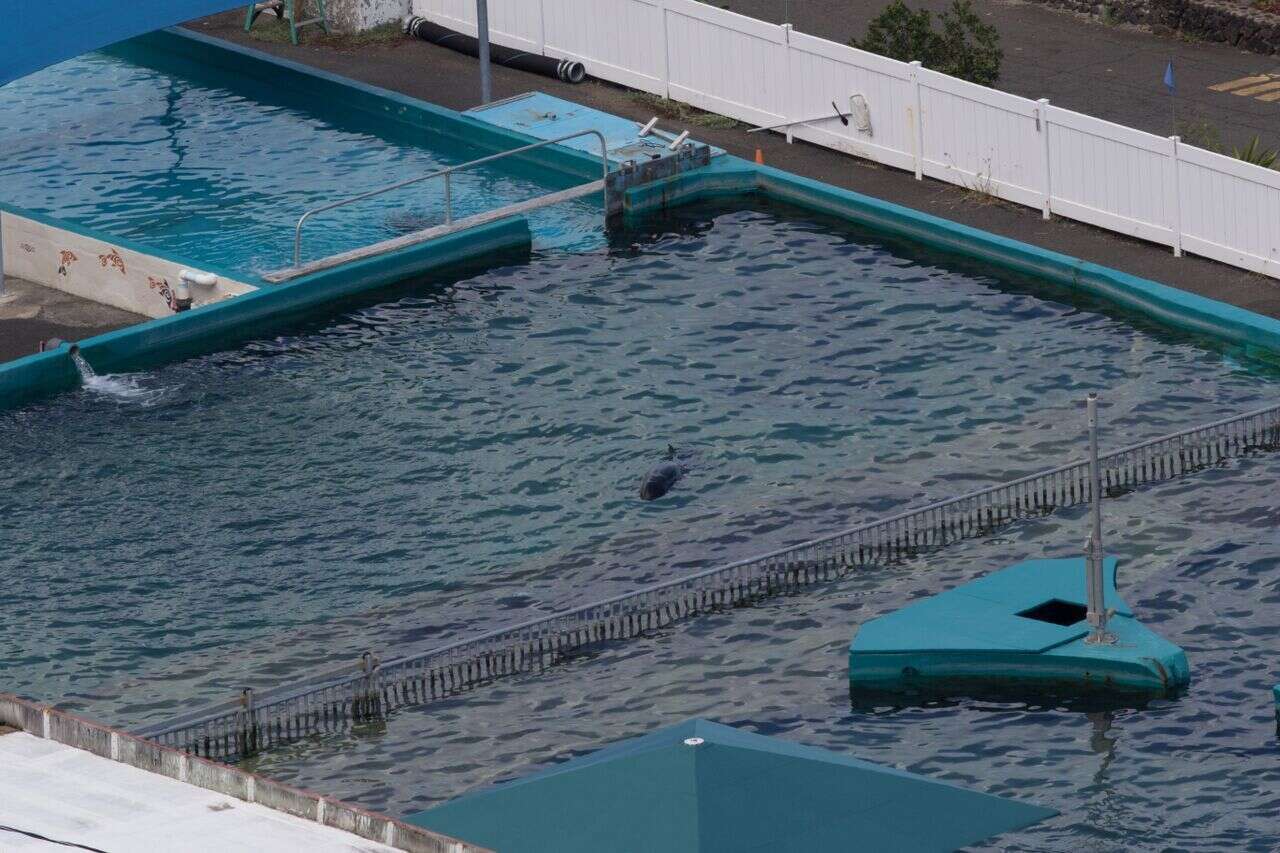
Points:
x=1200 y=564
x=460 y=454
x=196 y=166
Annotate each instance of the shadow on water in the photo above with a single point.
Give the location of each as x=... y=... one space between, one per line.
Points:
x=978 y=695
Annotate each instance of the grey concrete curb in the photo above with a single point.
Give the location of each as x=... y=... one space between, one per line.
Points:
x=1209 y=20
x=49 y=723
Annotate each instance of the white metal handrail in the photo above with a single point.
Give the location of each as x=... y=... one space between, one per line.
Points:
x=448 y=187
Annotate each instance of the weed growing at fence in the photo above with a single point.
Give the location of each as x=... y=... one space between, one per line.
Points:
x=966 y=47
x=1200 y=132
x=1257 y=155
x=1204 y=134
x=667 y=108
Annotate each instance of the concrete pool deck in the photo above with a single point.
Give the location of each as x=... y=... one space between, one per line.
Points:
x=30 y=314
x=450 y=79
x=69 y=782
x=73 y=796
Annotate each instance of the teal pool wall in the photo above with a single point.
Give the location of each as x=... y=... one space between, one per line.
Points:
x=350 y=104
x=216 y=326
x=386 y=113
x=1257 y=335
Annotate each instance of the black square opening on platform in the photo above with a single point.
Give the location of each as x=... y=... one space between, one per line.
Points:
x=1057 y=612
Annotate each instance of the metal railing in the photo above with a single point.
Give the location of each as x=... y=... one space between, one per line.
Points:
x=336 y=698
x=448 y=184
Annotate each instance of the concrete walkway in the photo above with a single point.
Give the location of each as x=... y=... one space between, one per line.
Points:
x=30 y=314
x=69 y=795
x=450 y=79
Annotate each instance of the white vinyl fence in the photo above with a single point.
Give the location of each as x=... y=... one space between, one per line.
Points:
x=1030 y=152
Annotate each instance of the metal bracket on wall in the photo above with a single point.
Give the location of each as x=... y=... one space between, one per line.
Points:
x=637 y=173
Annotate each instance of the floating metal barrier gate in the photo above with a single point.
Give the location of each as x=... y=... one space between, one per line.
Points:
x=337 y=698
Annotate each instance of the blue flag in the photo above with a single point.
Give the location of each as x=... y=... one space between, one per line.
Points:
x=1168 y=77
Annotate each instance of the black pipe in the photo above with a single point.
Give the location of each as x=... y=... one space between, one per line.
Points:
x=568 y=70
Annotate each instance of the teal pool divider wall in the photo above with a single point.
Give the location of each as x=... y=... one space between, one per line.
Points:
x=223 y=323
x=389 y=114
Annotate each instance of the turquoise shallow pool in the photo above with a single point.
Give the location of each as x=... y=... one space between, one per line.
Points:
x=209 y=169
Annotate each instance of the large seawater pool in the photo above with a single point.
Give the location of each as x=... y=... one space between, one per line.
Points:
x=464 y=451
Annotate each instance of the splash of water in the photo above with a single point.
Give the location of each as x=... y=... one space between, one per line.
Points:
x=124 y=387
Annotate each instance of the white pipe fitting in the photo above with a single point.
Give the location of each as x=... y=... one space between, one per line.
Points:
x=203 y=279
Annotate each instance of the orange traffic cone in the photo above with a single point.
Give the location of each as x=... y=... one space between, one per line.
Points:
x=759 y=156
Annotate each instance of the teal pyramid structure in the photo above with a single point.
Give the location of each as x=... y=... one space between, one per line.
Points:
x=702 y=787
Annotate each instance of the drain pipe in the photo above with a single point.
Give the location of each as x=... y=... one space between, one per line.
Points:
x=1097 y=609
x=482 y=35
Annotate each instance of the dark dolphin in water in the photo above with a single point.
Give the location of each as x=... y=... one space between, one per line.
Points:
x=661 y=477
x=408 y=221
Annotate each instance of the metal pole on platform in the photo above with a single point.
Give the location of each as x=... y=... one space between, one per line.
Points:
x=1096 y=605
x=482 y=36
x=1 y=254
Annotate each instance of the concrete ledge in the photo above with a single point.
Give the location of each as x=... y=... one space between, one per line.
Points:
x=81 y=734
x=106 y=270
x=151 y=757
x=48 y=723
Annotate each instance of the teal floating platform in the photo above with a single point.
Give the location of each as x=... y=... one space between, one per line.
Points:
x=1023 y=626
x=701 y=787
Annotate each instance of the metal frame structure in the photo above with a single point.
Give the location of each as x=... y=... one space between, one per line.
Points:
x=287 y=10
x=1097 y=614
x=448 y=187
x=482 y=41
x=336 y=698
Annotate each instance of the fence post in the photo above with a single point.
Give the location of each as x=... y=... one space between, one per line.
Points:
x=666 y=50
x=1177 y=197
x=542 y=27
x=482 y=37
x=246 y=736
x=1042 y=124
x=1 y=253
x=786 y=44
x=919 y=120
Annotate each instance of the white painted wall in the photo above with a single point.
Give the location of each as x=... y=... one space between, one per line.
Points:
x=98 y=271
x=1025 y=151
x=350 y=16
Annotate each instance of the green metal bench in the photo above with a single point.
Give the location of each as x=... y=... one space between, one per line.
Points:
x=287 y=10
